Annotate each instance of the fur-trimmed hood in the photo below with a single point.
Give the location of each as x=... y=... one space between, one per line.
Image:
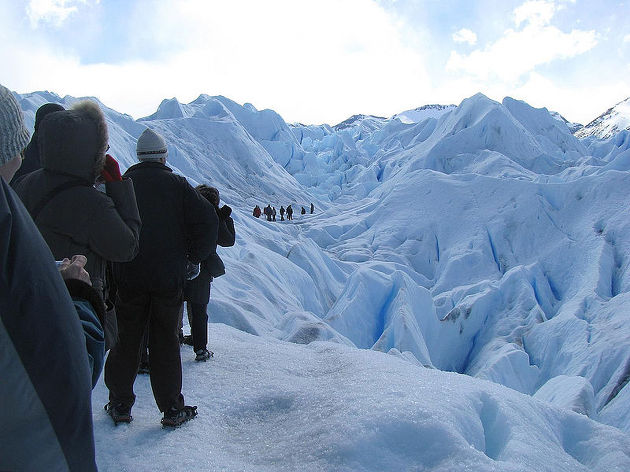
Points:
x=74 y=142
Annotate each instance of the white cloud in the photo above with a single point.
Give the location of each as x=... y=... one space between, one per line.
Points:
x=535 y=12
x=581 y=103
x=519 y=52
x=626 y=38
x=465 y=35
x=52 y=11
x=312 y=61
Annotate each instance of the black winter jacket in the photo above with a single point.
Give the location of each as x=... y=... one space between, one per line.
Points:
x=177 y=223
x=80 y=220
x=198 y=289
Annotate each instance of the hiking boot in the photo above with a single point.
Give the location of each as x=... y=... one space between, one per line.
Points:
x=202 y=355
x=144 y=368
x=119 y=412
x=188 y=341
x=174 y=417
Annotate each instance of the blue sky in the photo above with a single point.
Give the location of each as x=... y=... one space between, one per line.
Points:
x=322 y=61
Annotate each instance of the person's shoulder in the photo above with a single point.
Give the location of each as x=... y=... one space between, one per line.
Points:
x=21 y=227
x=149 y=166
x=183 y=187
x=25 y=181
x=182 y=181
x=131 y=169
x=154 y=172
x=8 y=196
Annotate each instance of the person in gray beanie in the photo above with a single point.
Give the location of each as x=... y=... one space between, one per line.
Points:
x=46 y=412
x=13 y=134
x=178 y=225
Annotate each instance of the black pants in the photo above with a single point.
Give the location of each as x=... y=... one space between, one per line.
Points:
x=198 y=320
x=144 y=347
x=160 y=311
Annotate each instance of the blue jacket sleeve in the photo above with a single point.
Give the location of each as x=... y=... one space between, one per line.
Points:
x=94 y=337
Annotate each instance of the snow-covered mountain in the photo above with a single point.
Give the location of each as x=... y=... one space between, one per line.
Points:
x=422 y=113
x=484 y=240
x=573 y=127
x=609 y=123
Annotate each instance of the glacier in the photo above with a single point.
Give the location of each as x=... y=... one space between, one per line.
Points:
x=482 y=239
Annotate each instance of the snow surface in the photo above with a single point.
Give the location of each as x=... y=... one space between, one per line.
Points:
x=487 y=241
x=268 y=405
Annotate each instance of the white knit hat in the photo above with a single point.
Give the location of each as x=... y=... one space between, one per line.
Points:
x=151 y=146
x=13 y=134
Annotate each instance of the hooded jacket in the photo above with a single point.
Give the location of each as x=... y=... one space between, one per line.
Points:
x=80 y=219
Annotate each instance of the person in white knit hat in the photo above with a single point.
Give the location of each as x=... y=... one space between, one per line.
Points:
x=151 y=147
x=46 y=412
x=177 y=224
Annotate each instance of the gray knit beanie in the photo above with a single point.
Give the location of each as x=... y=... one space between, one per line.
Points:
x=151 y=146
x=13 y=134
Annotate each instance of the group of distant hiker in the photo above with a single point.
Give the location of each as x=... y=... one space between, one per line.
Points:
x=270 y=212
x=91 y=261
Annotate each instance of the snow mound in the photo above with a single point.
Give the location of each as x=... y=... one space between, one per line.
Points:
x=575 y=393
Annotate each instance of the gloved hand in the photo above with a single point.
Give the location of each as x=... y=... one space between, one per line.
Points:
x=111 y=171
x=225 y=212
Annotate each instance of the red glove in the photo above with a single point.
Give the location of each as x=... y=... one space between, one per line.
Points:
x=111 y=171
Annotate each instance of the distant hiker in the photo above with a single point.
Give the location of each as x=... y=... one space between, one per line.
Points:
x=312 y=208
x=289 y=212
x=257 y=211
x=268 y=212
x=281 y=213
x=72 y=215
x=46 y=384
x=303 y=211
x=197 y=290
x=177 y=224
x=31 y=160
x=273 y=213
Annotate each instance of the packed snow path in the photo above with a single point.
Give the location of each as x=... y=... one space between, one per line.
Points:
x=267 y=405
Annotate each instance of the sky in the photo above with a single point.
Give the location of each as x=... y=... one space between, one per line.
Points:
x=321 y=61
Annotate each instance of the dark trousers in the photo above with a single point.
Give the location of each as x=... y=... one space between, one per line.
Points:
x=160 y=312
x=144 y=347
x=198 y=320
